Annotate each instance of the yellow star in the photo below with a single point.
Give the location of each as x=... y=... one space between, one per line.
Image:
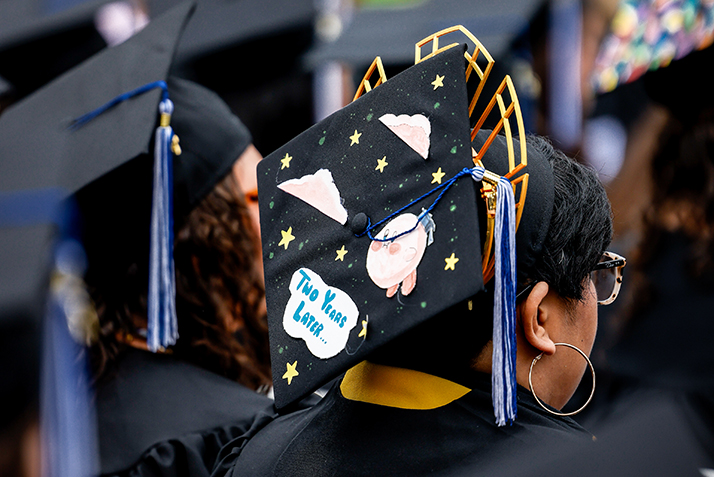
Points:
x=437 y=176
x=438 y=82
x=291 y=372
x=355 y=138
x=341 y=254
x=287 y=237
x=381 y=164
x=450 y=262
x=285 y=161
x=363 y=333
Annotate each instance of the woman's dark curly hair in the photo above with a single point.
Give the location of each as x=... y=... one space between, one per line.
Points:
x=683 y=180
x=682 y=203
x=219 y=292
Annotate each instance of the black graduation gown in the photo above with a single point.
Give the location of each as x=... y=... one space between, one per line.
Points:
x=341 y=436
x=158 y=415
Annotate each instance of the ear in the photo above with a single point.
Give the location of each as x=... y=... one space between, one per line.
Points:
x=534 y=313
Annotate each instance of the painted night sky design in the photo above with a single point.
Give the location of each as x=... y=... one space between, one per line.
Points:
x=319 y=191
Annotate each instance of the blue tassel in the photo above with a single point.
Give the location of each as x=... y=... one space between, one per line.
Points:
x=503 y=373
x=162 y=330
x=504 y=305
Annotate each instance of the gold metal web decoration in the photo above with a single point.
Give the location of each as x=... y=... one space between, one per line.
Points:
x=508 y=110
x=471 y=58
x=366 y=86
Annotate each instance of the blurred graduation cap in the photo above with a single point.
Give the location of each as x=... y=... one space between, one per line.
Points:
x=220 y=25
x=372 y=221
x=35 y=49
x=105 y=112
x=646 y=36
x=684 y=74
x=41 y=291
x=24 y=279
x=380 y=31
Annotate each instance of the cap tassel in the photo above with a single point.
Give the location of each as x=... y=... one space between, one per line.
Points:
x=503 y=373
x=162 y=329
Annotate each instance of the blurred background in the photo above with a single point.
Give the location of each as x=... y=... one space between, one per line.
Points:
x=283 y=65
x=604 y=79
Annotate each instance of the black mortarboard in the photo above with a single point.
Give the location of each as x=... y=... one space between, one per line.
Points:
x=107 y=112
x=662 y=85
x=35 y=48
x=370 y=219
x=378 y=31
x=108 y=141
x=24 y=278
x=41 y=292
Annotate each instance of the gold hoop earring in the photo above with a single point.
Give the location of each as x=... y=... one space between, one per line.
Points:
x=592 y=392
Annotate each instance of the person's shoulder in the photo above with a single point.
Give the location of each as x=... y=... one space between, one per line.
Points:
x=153 y=399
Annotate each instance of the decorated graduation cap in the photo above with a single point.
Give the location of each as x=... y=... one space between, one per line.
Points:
x=120 y=117
x=370 y=219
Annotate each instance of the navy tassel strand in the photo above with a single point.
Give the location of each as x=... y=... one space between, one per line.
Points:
x=162 y=330
x=503 y=371
x=504 y=307
x=162 y=327
x=475 y=171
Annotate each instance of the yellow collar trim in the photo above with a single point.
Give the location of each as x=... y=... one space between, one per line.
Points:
x=398 y=387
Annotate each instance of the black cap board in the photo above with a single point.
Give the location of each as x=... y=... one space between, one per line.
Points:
x=106 y=142
x=373 y=221
x=334 y=294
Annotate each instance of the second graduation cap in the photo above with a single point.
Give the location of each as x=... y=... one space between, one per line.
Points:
x=106 y=157
x=370 y=219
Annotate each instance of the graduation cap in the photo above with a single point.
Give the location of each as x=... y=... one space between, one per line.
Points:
x=35 y=49
x=379 y=31
x=24 y=278
x=41 y=291
x=371 y=225
x=112 y=113
x=646 y=36
x=682 y=74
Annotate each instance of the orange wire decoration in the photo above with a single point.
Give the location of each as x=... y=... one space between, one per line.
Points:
x=365 y=85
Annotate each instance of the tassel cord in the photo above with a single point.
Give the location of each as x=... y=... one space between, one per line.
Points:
x=477 y=174
x=504 y=339
x=84 y=119
x=162 y=330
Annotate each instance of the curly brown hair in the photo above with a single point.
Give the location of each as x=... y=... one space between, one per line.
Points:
x=681 y=203
x=683 y=177
x=219 y=293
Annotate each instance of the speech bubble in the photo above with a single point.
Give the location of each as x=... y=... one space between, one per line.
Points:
x=321 y=315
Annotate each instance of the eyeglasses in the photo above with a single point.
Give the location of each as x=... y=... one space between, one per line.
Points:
x=606 y=276
x=251 y=197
